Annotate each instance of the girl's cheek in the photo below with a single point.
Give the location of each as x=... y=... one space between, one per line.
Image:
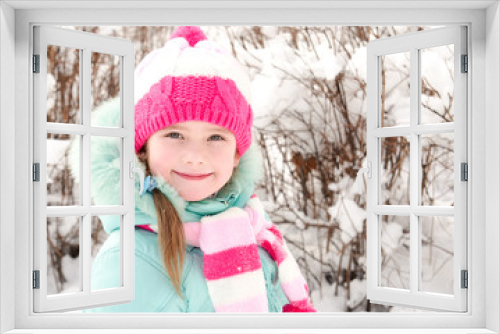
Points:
x=170 y=145
x=162 y=150
x=222 y=153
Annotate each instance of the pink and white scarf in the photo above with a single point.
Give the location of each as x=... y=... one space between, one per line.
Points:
x=232 y=266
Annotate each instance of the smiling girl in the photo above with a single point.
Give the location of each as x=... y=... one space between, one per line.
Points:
x=203 y=242
x=196 y=151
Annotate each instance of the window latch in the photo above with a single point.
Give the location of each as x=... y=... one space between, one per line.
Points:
x=360 y=175
x=133 y=170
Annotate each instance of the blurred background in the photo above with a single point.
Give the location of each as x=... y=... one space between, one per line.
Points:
x=309 y=101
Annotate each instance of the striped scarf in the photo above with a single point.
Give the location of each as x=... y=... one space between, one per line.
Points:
x=232 y=266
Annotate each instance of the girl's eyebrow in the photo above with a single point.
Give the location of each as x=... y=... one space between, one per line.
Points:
x=180 y=127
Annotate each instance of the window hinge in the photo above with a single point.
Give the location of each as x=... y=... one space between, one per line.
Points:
x=36 y=63
x=36 y=279
x=464 y=279
x=465 y=64
x=36 y=172
x=464 y=172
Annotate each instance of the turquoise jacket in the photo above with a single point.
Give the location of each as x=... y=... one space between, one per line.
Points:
x=154 y=291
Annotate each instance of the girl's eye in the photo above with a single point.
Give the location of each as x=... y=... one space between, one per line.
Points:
x=177 y=135
x=173 y=135
x=217 y=137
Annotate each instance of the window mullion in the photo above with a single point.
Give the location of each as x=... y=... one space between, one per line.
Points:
x=95 y=210
x=420 y=129
x=77 y=129
x=127 y=228
x=414 y=170
x=85 y=238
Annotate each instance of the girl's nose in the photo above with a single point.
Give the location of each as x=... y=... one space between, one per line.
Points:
x=193 y=161
x=194 y=155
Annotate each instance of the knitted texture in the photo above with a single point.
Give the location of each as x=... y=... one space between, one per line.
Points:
x=194 y=98
x=232 y=265
x=192 y=34
x=192 y=79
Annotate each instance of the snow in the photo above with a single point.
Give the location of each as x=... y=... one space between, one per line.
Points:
x=350 y=218
x=71 y=272
x=437 y=70
x=391 y=237
x=281 y=95
x=357 y=292
x=56 y=155
x=357 y=63
x=326 y=301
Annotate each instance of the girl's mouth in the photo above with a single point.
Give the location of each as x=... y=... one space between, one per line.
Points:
x=192 y=176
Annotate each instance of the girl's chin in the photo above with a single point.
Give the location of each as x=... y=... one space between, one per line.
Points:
x=194 y=197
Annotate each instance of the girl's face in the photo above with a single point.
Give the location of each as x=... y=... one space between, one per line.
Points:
x=195 y=158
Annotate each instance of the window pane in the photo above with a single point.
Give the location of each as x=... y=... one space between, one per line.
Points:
x=395 y=170
x=62 y=188
x=105 y=80
x=437 y=169
x=63 y=254
x=106 y=174
x=100 y=239
x=437 y=67
x=63 y=85
x=395 y=252
x=395 y=89
x=437 y=254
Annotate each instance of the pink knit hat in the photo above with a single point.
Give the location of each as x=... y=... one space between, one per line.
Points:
x=192 y=79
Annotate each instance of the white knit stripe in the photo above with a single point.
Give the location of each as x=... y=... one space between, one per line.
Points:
x=258 y=209
x=288 y=269
x=153 y=227
x=176 y=59
x=155 y=66
x=208 y=59
x=236 y=288
x=255 y=204
x=231 y=213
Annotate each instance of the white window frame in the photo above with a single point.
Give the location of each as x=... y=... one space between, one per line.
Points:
x=483 y=21
x=413 y=43
x=86 y=43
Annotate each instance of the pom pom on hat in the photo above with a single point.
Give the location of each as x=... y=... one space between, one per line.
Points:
x=191 y=34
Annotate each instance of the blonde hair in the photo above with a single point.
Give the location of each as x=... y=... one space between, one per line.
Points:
x=171 y=238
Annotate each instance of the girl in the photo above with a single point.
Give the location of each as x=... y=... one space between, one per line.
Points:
x=203 y=242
